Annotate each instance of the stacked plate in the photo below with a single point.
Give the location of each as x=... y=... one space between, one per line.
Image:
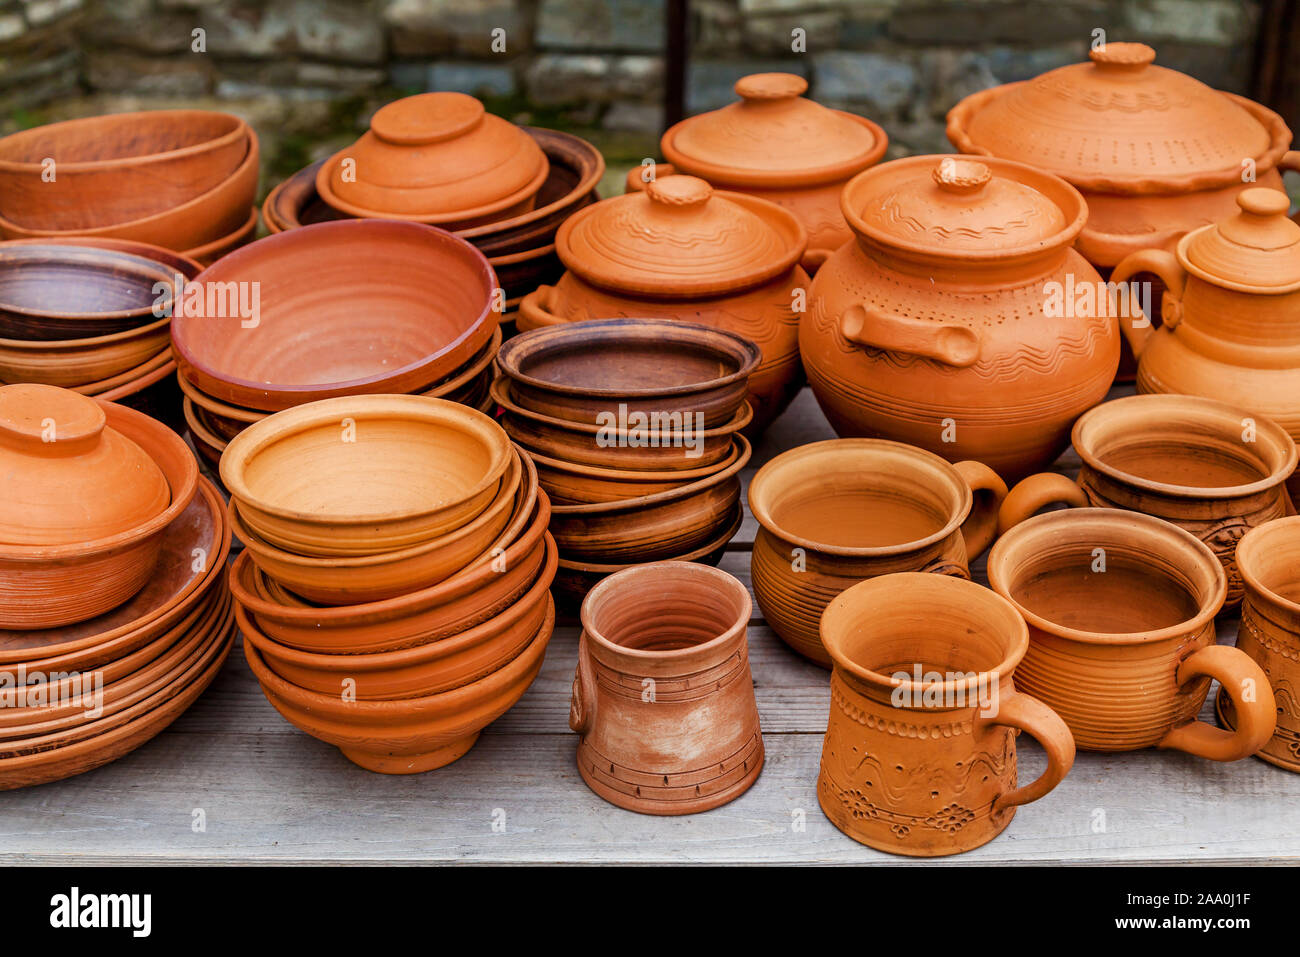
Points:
x=181 y=179
x=394 y=590
x=431 y=141
x=634 y=426
x=114 y=615
x=344 y=308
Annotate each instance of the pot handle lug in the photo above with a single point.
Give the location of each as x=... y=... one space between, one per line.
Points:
x=1252 y=697
x=988 y=491
x=949 y=343
x=1016 y=710
x=1035 y=492
x=582 y=703
x=1290 y=162
x=643 y=173
x=1166 y=266
x=535 y=310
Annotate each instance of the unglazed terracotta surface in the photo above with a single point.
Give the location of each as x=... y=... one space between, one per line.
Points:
x=570 y=484
x=78 y=363
x=834 y=513
x=1121 y=611
x=932 y=328
x=920 y=750
x=663 y=699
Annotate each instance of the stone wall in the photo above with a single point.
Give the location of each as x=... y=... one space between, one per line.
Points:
x=307 y=72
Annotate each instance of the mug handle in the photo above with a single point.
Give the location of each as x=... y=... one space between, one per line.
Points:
x=1031 y=494
x=981 y=525
x=582 y=703
x=1256 y=720
x=1016 y=710
x=1170 y=270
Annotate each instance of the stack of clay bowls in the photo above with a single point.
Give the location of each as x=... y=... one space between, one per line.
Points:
x=394 y=590
x=634 y=426
x=114 y=614
x=439 y=158
x=185 y=180
x=343 y=308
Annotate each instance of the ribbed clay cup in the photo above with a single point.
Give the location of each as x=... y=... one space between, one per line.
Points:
x=1269 y=559
x=920 y=750
x=663 y=697
x=1121 y=611
x=834 y=513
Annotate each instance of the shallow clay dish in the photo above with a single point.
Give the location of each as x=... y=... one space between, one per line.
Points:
x=210 y=252
x=384 y=306
x=79 y=362
x=365 y=474
x=569 y=484
x=145 y=368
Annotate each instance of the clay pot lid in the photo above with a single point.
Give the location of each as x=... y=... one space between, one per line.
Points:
x=962 y=207
x=65 y=477
x=774 y=137
x=680 y=238
x=1121 y=124
x=1257 y=249
x=439 y=157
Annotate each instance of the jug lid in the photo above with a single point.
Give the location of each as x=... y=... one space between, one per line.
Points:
x=680 y=237
x=65 y=476
x=1256 y=248
x=1119 y=123
x=774 y=136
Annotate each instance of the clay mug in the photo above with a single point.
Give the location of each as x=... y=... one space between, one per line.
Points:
x=920 y=750
x=833 y=513
x=1269 y=558
x=663 y=697
x=1121 y=609
x=1208 y=467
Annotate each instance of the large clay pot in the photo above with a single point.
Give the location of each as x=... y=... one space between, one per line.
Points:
x=833 y=513
x=680 y=250
x=779 y=146
x=1121 y=611
x=1269 y=557
x=1209 y=468
x=920 y=749
x=936 y=327
x=1231 y=311
x=663 y=697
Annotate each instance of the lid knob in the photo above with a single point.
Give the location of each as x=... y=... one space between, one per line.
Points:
x=1262 y=201
x=1122 y=56
x=679 y=190
x=770 y=86
x=1263 y=222
x=59 y=420
x=961 y=177
x=427 y=118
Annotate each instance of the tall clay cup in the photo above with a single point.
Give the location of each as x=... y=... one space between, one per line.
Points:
x=1210 y=468
x=920 y=749
x=663 y=698
x=1121 y=611
x=834 y=513
x=1269 y=559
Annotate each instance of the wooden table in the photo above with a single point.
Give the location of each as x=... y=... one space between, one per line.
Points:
x=269 y=793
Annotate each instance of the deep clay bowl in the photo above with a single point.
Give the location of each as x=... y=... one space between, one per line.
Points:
x=360 y=306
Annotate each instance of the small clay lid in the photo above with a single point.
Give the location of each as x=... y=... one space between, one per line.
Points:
x=774 y=137
x=439 y=157
x=65 y=477
x=962 y=207
x=1119 y=123
x=1259 y=247
x=679 y=237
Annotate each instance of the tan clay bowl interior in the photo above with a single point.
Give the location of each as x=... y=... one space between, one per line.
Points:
x=1269 y=560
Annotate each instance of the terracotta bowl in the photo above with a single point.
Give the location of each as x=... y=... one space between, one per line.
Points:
x=207 y=217
x=117 y=168
x=210 y=252
x=365 y=474
x=382 y=306
x=75 y=362
x=407 y=735
x=346 y=580
x=424 y=669
x=588 y=371
x=654 y=527
x=569 y=484
x=49 y=586
x=101 y=386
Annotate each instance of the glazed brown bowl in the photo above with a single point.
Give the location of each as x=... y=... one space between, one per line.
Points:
x=46 y=586
x=80 y=362
x=362 y=475
x=590 y=371
x=346 y=308
x=654 y=527
x=423 y=669
x=406 y=735
x=118 y=168
x=569 y=484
